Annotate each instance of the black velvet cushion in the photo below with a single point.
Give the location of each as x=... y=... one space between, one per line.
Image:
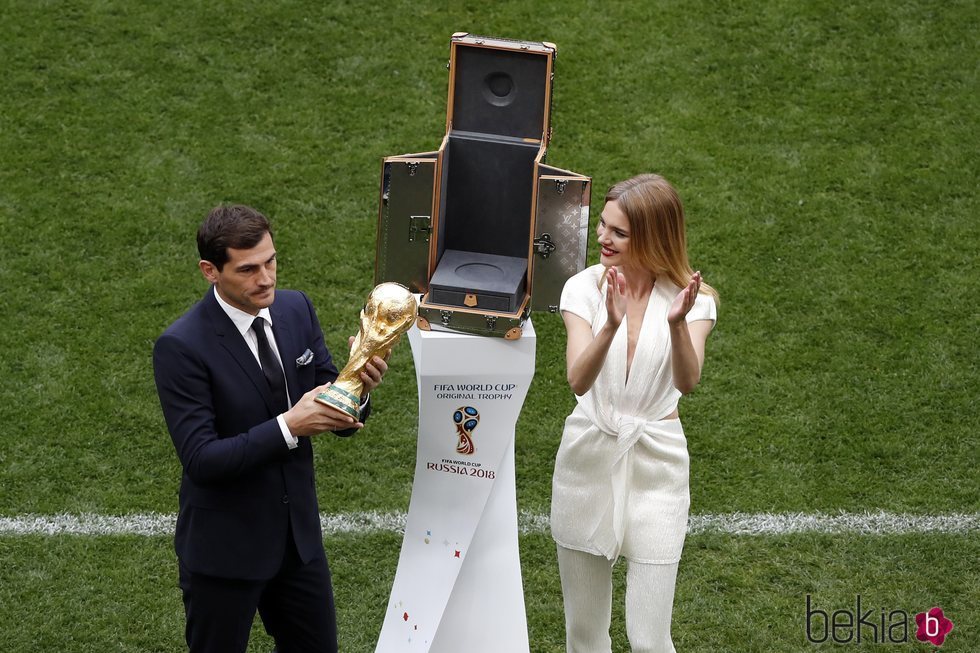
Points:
x=497 y=282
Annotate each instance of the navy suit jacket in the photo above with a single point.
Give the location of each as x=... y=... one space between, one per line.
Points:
x=242 y=487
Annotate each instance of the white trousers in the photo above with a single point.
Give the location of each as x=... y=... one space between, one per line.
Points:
x=586 y=585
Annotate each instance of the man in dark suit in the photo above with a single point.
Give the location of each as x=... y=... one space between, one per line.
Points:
x=237 y=376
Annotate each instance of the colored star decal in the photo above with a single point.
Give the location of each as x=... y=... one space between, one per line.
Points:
x=457 y=553
x=405 y=616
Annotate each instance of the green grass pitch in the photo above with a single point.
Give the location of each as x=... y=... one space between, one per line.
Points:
x=827 y=154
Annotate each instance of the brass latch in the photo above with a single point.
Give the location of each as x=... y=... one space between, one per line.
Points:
x=419 y=224
x=544 y=245
x=469 y=300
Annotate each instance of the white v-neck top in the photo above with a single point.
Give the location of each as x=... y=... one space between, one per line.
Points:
x=621 y=474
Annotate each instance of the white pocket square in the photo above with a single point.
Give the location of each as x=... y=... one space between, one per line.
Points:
x=305 y=359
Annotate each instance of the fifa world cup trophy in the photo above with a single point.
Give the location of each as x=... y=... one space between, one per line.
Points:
x=389 y=312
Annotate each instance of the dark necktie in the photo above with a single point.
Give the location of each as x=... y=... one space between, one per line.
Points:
x=270 y=366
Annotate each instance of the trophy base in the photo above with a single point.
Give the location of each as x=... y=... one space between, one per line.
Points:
x=341 y=400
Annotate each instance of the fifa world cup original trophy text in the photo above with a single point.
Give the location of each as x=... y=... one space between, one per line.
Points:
x=389 y=312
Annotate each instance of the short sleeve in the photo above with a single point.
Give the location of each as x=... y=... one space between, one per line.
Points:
x=704 y=309
x=581 y=295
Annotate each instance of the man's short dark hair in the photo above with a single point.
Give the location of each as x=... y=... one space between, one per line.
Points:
x=236 y=226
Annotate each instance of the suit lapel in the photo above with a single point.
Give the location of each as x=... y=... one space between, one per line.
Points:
x=231 y=340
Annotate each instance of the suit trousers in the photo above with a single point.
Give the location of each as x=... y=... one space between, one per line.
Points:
x=586 y=585
x=296 y=606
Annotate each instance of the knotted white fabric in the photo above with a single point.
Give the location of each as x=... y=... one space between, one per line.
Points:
x=622 y=493
x=630 y=430
x=621 y=473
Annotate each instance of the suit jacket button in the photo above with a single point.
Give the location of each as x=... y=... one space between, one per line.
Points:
x=285 y=498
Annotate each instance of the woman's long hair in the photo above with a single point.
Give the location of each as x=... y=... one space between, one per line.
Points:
x=657 y=238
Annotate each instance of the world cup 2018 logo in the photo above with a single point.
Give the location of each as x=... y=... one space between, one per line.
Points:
x=466 y=418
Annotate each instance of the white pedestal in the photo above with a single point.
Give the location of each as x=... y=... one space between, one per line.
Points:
x=458 y=584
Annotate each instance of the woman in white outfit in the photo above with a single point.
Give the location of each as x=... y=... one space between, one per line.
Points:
x=637 y=324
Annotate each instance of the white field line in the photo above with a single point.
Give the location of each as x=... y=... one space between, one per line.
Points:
x=358 y=523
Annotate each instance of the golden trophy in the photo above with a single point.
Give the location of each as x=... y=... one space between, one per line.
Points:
x=389 y=312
